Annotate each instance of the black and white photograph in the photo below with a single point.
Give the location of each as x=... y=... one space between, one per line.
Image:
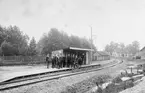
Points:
x=72 y=46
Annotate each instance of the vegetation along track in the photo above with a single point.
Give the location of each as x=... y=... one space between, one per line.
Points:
x=40 y=77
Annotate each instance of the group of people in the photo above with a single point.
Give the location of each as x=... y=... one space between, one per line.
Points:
x=65 y=60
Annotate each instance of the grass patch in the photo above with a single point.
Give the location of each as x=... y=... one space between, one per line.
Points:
x=113 y=88
x=117 y=85
x=86 y=85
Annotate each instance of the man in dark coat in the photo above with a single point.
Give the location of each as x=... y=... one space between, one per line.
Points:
x=48 y=60
x=79 y=61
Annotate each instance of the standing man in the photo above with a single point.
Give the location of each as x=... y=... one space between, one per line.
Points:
x=48 y=60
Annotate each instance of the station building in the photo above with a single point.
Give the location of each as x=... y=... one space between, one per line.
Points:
x=101 y=55
x=75 y=51
x=141 y=53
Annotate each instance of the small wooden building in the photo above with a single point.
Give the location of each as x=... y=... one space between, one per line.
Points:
x=141 y=53
x=101 y=55
x=75 y=51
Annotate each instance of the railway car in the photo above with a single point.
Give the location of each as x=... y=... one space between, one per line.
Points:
x=71 y=57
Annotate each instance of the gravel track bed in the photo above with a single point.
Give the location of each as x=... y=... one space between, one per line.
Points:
x=56 y=86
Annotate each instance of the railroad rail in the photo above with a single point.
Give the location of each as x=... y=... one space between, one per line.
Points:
x=40 y=77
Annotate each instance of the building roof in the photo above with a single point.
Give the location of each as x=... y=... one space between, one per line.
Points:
x=142 y=49
x=83 y=49
x=141 y=52
x=101 y=53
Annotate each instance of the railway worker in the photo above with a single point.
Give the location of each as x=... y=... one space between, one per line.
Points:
x=60 y=61
x=72 y=61
x=57 y=61
x=75 y=62
x=63 y=61
x=47 y=57
x=68 y=60
x=79 y=61
x=84 y=59
x=53 y=62
x=48 y=60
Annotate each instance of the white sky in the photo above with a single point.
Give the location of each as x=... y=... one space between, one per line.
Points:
x=111 y=20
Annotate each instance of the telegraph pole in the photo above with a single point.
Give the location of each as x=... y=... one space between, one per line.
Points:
x=91 y=43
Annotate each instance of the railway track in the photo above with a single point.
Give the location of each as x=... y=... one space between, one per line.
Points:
x=40 y=77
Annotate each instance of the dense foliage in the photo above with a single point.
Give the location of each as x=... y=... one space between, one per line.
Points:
x=120 y=48
x=14 y=42
x=55 y=40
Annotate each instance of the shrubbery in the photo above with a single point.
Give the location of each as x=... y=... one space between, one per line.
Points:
x=138 y=57
x=86 y=85
x=116 y=86
x=117 y=80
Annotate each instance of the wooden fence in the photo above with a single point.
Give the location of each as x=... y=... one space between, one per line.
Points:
x=21 y=60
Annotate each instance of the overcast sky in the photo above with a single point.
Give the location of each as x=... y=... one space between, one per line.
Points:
x=111 y=20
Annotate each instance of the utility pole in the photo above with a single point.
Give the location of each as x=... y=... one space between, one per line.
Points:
x=91 y=43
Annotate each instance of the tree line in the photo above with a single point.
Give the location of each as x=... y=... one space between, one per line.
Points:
x=121 y=48
x=55 y=40
x=13 y=42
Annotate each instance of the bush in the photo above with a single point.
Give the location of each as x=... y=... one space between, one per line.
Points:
x=69 y=89
x=138 y=57
x=8 y=49
x=117 y=80
x=86 y=85
x=111 y=88
x=129 y=84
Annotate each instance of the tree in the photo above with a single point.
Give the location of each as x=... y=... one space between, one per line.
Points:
x=133 y=48
x=65 y=40
x=2 y=35
x=56 y=40
x=75 y=41
x=41 y=44
x=32 y=47
x=15 y=37
x=112 y=47
x=135 y=45
x=7 y=49
x=120 y=48
x=53 y=41
x=0 y=51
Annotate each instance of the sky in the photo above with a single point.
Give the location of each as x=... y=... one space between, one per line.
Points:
x=111 y=20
